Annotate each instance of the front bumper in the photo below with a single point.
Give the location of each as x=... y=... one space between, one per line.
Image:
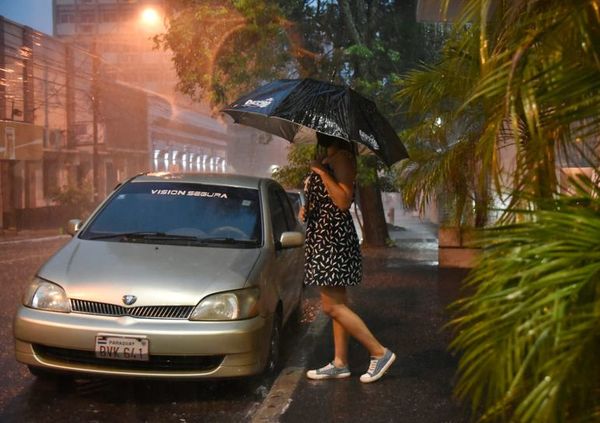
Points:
x=66 y=342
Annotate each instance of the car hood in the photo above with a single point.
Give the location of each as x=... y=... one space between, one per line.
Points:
x=156 y=274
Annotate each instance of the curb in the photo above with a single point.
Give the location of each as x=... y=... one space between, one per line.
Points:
x=280 y=396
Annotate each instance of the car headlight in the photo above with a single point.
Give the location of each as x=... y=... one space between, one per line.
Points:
x=231 y=305
x=44 y=295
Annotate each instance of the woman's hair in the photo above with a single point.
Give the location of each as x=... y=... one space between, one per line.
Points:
x=325 y=141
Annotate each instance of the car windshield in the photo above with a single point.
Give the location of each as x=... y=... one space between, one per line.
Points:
x=181 y=214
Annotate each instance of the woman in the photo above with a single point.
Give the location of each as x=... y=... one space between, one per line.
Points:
x=333 y=260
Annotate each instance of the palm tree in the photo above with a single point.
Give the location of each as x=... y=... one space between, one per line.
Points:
x=445 y=162
x=528 y=332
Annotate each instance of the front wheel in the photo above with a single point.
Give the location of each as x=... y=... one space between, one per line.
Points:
x=274 y=345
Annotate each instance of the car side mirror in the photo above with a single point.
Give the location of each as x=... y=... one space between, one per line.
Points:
x=73 y=226
x=291 y=239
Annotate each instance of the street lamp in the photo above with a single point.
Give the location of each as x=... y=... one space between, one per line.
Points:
x=150 y=17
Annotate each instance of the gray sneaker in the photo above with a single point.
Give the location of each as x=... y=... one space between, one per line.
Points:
x=378 y=367
x=328 y=372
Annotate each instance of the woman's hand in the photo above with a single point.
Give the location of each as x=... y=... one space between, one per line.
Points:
x=317 y=167
x=340 y=184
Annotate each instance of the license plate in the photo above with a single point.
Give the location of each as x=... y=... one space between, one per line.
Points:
x=122 y=347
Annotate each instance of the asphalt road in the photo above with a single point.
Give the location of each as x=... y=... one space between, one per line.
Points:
x=23 y=398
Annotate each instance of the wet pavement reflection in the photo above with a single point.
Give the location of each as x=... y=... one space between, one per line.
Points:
x=403 y=299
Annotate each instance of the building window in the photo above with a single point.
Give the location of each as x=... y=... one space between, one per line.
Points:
x=66 y=18
x=80 y=129
x=109 y=17
x=50 y=177
x=87 y=17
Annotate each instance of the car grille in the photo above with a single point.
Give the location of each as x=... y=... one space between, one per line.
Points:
x=147 y=312
x=156 y=362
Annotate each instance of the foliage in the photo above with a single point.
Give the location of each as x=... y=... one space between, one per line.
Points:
x=78 y=199
x=530 y=332
x=523 y=81
x=539 y=70
x=224 y=48
x=294 y=174
x=445 y=163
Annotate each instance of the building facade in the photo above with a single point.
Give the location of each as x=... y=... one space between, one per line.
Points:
x=183 y=134
x=53 y=134
x=96 y=104
x=120 y=32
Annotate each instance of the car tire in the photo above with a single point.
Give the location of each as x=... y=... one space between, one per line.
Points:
x=274 y=345
x=295 y=320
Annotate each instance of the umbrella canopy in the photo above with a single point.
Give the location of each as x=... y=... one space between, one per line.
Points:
x=286 y=107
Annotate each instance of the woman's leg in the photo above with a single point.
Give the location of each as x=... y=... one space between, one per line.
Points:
x=340 y=340
x=333 y=302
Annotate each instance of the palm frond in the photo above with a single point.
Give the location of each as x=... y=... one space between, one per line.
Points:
x=529 y=333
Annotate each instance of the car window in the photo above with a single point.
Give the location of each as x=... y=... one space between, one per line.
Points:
x=278 y=219
x=295 y=200
x=196 y=211
x=288 y=211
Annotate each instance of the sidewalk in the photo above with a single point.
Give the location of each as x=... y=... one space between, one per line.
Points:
x=402 y=299
x=9 y=236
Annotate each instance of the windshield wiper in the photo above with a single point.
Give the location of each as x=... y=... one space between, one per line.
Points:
x=163 y=236
x=146 y=235
x=227 y=240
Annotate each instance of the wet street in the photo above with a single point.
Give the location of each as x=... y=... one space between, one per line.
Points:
x=403 y=299
x=25 y=399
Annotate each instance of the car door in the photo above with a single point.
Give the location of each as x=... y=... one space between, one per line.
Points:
x=288 y=266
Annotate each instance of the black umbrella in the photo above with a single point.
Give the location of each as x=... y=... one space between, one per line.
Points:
x=287 y=107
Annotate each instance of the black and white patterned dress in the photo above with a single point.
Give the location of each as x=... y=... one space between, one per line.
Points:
x=332 y=251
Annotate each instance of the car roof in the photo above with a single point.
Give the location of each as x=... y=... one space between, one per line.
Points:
x=225 y=179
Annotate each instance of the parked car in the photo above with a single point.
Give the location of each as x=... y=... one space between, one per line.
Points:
x=173 y=276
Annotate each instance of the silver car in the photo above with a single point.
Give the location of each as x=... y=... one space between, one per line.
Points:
x=173 y=276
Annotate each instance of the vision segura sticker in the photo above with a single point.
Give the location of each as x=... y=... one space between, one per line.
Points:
x=189 y=193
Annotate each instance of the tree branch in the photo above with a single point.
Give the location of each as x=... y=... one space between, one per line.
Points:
x=346 y=12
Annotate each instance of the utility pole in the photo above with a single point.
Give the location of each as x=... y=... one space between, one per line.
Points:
x=95 y=111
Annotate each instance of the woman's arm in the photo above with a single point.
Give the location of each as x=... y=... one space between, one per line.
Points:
x=340 y=185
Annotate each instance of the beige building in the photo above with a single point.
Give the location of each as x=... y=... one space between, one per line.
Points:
x=69 y=118
x=120 y=32
x=187 y=136
x=52 y=129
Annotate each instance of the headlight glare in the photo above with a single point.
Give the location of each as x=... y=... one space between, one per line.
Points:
x=232 y=305
x=46 y=296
